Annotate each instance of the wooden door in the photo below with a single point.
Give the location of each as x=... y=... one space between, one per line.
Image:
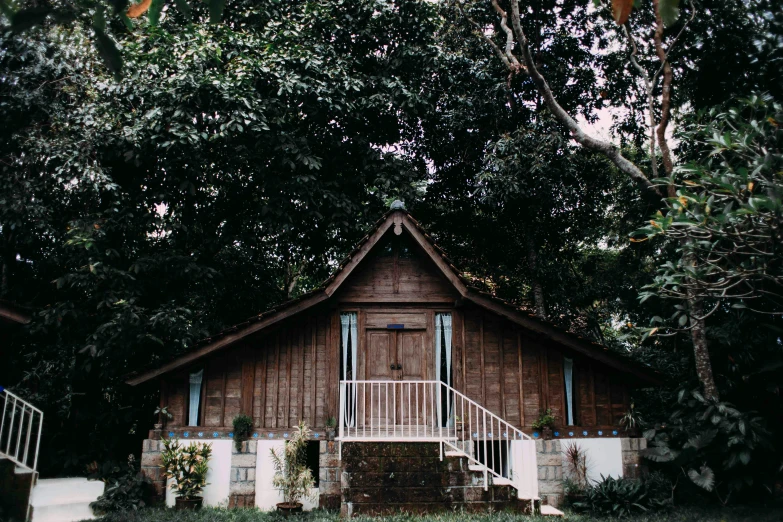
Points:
x=375 y=401
x=412 y=357
x=394 y=356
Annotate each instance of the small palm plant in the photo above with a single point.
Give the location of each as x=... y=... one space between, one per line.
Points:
x=292 y=476
x=187 y=466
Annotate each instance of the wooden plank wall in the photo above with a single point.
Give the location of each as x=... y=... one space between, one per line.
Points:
x=292 y=372
x=518 y=377
x=277 y=379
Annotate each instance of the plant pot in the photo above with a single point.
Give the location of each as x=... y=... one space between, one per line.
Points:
x=289 y=509
x=546 y=433
x=330 y=433
x=191 y=503
x=158 y=426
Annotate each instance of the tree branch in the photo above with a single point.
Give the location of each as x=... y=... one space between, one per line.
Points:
x=587 y=141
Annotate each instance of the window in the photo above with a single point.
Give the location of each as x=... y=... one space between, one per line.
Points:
x=443 y=366
x=195 y=397
x=348 y=336
x=568 y=374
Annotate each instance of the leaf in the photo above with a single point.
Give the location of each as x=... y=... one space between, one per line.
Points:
x=184 y=8
x=109 y=51
x=156 y=7
x=705 y=479
x=621 y=10
x=670 y=11
x=216 y=10
x=136 y=10
x=27 y=18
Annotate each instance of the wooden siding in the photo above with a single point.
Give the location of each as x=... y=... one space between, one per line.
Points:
x=392 y=278
x=291 y=372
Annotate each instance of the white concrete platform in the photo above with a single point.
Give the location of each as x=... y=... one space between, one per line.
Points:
x=64 y=499
x=549 y=511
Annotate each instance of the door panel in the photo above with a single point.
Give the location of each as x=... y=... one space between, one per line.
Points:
x=412 y=355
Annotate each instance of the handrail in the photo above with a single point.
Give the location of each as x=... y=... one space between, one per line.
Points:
x=18 y=425
x=428 y=411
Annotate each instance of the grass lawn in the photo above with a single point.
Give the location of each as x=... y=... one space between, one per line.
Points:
x=682 y=514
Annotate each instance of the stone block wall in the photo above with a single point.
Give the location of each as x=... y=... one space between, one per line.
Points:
x=381 y=478
x=242 y=488
x=549 y=458
x=633 y=463
x=151 y=460
x=328 y=476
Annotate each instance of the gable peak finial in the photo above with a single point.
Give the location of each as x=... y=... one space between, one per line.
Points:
x=397 y=205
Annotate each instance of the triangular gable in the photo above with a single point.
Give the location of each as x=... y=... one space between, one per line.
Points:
x=399 y=220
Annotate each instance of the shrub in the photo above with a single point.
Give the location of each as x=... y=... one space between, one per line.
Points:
x=623 y=497
x=243 y=427
x=187 y=466
x=292 y=476
x=712 y=444
x=127 y=489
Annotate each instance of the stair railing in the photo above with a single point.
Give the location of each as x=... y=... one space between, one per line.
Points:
x=432 y=411
x=20 y=430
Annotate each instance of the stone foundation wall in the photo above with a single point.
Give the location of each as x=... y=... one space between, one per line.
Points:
x=551 y=466
x=150 y=466
x=633 y=465
x=329 y=476
x=382 y=478
x=242 y=488
x=549 y=459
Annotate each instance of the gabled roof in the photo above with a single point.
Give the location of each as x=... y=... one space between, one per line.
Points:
x=400 y=219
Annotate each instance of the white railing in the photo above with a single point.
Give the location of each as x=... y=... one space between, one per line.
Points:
x=432 y=411
x=20 y=430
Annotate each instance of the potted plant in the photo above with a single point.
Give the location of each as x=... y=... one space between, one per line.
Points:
x=162 y=413
x=331 y=425
x=243 y=427
x=187 y=467
x=292 y=476
x=545 y=423
x=459 y=424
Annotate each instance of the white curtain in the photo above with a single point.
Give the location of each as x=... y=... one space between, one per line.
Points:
x=568 y=371
x=443 y=349
x=348 y=334
x=195 y=397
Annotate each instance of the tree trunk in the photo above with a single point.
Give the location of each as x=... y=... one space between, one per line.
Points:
x=538 y=290
x=701 y=353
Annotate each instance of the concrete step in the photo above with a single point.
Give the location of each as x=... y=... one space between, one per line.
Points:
x=65 y=499
x=549 y=511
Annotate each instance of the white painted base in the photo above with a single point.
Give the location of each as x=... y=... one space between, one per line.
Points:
x=604 y=457
x=64 y=500
x=267 y=497
x=218 y=476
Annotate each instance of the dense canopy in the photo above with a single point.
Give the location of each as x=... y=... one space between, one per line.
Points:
x=167 y=175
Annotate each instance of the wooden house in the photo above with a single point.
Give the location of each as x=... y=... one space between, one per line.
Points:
x=399 y=348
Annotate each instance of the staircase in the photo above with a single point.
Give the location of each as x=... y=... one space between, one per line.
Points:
x=20 y=436
x=24 y=497
x=434 y=412
x=64 y=499
x=383 y=478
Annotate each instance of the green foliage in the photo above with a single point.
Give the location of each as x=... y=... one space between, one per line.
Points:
x=727 y=214
x=719 y=448
x=683 y=514
x=243 y=427
x=623 y=497
x=544 y=420
x=632 y=419
x=577 y=466
x=127 y=489
x=187 y=466
x=331 y=422
x=292 y=476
